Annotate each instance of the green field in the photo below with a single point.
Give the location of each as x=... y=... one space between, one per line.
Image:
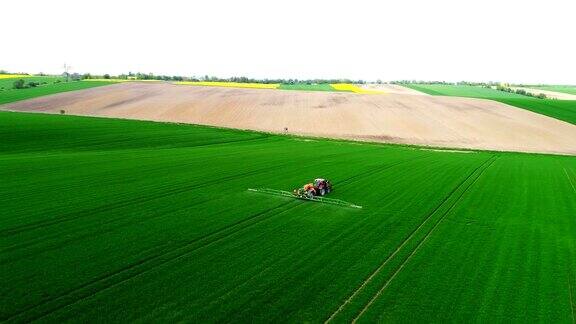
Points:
x=462 y=91
x=560 y=109
x=307 y=87
x=109 y=220
x=8 y=83
x=51 y=87
x=557 y=88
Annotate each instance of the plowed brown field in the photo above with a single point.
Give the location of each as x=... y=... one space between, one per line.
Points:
x=393 y=89
x=409 y=119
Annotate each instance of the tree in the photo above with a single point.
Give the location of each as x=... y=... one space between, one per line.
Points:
x=19 y=84
x=106 y=76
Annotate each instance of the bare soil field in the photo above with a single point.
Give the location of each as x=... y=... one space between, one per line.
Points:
x=393 y=89
x=548 y=93
x=449 y=122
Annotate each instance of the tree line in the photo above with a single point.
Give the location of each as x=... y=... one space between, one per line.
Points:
x=520 y=92
x=241 y=79
x=468 y=83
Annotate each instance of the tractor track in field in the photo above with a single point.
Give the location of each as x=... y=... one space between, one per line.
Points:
x=369 y=279
x=349 y=180
x=149 y=197
x=143 y=266
x=62 y=243
x=119 y=204
x=302 y=261
x=33 y=154
x=572 y=305
x=260 y=137
x=268 y=267
x=149 y=259
x=128 y=202
x=421 y=243
x=127 y=199
x=381 y=168
x=570 y=180
x=152 y=196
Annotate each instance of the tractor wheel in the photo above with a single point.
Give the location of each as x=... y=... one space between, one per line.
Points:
x=322 y=192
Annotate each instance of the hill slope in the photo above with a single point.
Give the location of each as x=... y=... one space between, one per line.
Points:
x=406 y=119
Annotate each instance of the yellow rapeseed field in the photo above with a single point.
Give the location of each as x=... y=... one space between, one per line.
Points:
x=12 y=76
x=353 y=88
x=231 y=84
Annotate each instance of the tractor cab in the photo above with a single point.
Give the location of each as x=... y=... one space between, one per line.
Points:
x=320 y=187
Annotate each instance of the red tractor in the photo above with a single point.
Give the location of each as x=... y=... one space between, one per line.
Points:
x=320 y=187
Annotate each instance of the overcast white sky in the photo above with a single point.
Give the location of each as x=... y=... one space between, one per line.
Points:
x=476 y=40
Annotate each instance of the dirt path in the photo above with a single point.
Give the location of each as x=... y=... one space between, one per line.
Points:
x=410 y=119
